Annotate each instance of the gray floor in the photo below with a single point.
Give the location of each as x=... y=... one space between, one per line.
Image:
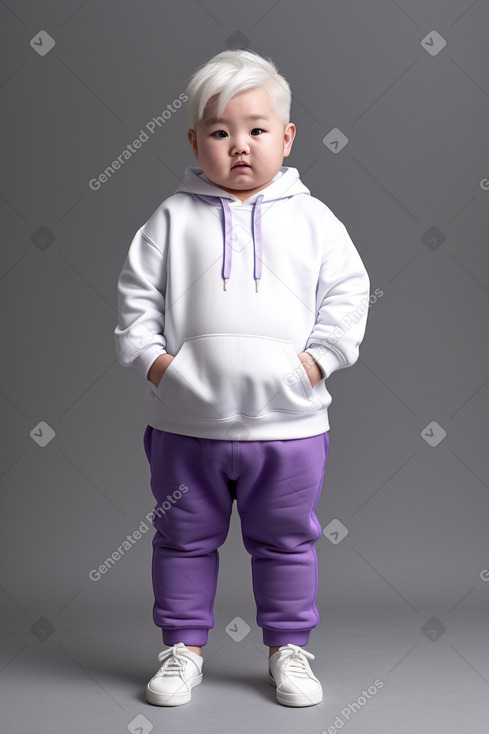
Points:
x=89 y=675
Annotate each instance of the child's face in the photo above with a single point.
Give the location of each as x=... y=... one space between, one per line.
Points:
x=248 y=131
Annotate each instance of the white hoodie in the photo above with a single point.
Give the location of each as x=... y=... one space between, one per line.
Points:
x=236 y=291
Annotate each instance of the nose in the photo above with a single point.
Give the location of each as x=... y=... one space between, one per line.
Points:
x=240 y=146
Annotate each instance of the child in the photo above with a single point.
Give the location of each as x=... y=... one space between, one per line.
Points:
x=237 y=300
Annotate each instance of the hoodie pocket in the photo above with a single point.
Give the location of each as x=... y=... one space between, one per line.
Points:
x=217 y=376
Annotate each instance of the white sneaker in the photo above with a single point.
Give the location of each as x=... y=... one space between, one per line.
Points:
x=181 y=671
x=290 y=672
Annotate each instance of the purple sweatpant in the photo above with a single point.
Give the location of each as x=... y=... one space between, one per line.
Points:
x=276 y=485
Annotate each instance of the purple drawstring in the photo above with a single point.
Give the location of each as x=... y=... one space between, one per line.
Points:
x=228 y=245
x=228 y=238
x=257 y=243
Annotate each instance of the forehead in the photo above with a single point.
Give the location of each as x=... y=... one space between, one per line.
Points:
x=251 y=105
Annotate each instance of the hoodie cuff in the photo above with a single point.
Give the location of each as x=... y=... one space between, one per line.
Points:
x=325 y=358
x=144 y=360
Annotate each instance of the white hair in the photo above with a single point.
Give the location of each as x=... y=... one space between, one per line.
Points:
x=231 y=72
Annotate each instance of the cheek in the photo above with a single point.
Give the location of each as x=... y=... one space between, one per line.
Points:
x=208 y=156
x=212 y=153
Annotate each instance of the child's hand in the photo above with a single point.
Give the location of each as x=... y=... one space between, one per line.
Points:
x=312 y=368
x=158 y=368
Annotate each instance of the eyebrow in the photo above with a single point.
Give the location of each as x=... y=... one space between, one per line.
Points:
x=215 y=120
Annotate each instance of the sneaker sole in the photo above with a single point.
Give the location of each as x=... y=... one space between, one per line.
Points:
x=296 y=699
x=171 y=699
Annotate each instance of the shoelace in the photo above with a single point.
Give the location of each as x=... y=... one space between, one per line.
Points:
x=173 y=660
x=295 y=657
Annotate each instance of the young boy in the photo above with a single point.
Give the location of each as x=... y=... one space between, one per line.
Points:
x=238 y=298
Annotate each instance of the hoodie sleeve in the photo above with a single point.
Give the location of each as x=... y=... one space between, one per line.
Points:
x=342 y=305
x=141 y=305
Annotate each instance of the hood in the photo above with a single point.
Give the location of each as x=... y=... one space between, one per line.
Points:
x=284 y=185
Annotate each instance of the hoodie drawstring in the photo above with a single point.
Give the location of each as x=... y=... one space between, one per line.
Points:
x=257 y=241
x=228 y=242
x=228 y=237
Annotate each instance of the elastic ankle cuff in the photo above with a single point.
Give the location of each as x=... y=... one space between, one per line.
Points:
x=195 y=636
x=277 y=638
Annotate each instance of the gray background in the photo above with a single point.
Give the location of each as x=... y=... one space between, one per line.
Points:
x=404 y=596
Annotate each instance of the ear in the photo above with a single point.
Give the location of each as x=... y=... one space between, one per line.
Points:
x=289 y=135
x=192 y=138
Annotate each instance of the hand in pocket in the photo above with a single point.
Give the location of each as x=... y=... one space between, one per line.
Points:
x=159 y=367
x=312 y=368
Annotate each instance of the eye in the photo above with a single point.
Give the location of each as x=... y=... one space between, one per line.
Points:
x=257 y=129
x=217 y=134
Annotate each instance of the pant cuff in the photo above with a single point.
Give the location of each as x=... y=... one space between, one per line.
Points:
x=277 y=638
x=195 y=636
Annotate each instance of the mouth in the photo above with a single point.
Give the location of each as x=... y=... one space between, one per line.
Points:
x=241 y=164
